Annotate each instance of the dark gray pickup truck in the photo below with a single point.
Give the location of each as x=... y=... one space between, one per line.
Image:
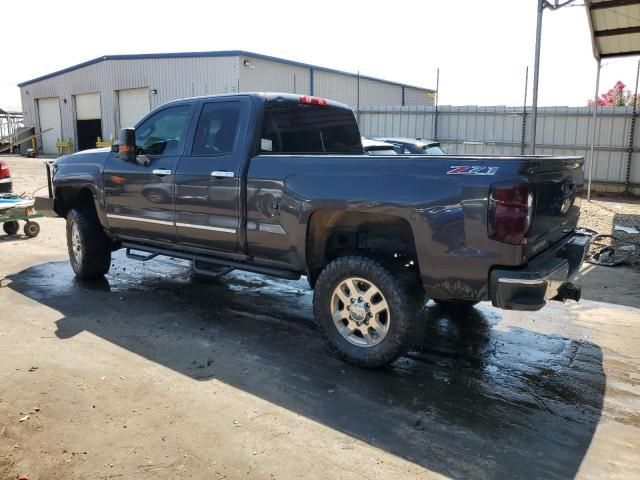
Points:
x=277 y=184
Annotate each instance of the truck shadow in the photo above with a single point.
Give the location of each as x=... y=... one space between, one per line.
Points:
x=473 y=400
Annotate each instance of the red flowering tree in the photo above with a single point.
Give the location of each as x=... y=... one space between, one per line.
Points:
x=618 y=96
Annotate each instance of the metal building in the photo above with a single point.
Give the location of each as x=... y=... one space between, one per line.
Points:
x=98 y=97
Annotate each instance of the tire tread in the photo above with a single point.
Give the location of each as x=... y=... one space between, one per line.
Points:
x=96 y=258
x=404 y=298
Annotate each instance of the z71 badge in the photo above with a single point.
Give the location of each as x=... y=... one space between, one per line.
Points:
x=466 y=170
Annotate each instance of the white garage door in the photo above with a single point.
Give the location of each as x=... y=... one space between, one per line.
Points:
x=134 y=104
x=49 y=113
x=88 y=106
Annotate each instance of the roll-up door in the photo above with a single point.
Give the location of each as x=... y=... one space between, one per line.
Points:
x=88 y=106
x=133 y=104
x=88 y=120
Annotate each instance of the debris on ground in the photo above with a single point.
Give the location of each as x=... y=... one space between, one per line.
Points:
x=607 y=250
x=622 y=228
x=611 y=256
x=616 y=217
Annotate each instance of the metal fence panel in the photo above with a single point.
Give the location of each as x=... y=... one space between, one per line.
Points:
x=498 y=130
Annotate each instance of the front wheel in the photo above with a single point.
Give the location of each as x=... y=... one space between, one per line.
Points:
x=88 y=246
x=368 y=314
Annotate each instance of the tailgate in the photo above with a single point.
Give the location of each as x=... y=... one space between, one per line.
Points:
x=557 y=185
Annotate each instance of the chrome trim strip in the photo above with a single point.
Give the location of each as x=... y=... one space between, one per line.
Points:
x=521 y=281
x=206 y=227
x=538 y=281
x=271 y=228
x=139 y=219
x=6 y=180
x=163 y=222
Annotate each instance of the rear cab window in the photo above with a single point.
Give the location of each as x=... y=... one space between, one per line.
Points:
x=296 y=128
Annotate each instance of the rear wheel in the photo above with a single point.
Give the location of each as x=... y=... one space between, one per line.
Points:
x=88 y=246
x=11 y=228
x=368 y=313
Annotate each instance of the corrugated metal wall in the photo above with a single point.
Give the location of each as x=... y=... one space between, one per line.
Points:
x=172 y=78
x=265 y=76
x=414 y=96
x=498 y=131
x=372 y=93
x=336 y=86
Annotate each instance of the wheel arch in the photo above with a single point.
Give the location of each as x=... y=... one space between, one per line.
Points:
x=332 y=233
x=69 y=197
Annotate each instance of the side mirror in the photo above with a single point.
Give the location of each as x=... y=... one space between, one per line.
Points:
x=127 y=149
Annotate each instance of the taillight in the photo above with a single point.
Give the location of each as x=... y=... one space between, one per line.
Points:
x=4 y=170
x=314 y=100
x=510 y=211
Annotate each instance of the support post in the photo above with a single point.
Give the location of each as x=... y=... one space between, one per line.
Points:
x=435 y=116
x=358 y=99
x=593 y=129
x=523 y=135
x=627 y=178
x=536 y=76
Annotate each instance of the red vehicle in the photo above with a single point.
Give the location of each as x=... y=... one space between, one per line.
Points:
x=5 y=178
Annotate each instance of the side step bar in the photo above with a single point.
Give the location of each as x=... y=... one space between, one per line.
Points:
x=204 y=268
x=201 y=259
x=142 y=258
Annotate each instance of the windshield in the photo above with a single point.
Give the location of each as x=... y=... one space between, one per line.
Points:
x=433 y=150
x=388 y=151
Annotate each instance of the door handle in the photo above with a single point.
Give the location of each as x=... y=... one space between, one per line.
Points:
x=161 y=172
x=222 y=174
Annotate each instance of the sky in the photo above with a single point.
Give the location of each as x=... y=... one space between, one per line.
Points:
x=481 y=47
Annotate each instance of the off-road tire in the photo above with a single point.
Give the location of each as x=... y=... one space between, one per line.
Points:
x=96 y=249
x=402 y=293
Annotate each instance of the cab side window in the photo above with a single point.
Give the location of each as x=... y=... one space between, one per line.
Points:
x=163 y=132
x=217 y=129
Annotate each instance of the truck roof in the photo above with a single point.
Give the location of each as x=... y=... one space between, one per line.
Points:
x=270 y=97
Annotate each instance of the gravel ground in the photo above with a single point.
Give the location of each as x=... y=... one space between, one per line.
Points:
x=603 y=213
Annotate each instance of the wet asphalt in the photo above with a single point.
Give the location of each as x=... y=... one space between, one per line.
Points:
x=480 y=396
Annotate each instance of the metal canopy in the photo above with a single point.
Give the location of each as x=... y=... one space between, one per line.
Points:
x=615 y=27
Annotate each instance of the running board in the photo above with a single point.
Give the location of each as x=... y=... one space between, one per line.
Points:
x=142 y=258
x=249 y=267
x=203 y=268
